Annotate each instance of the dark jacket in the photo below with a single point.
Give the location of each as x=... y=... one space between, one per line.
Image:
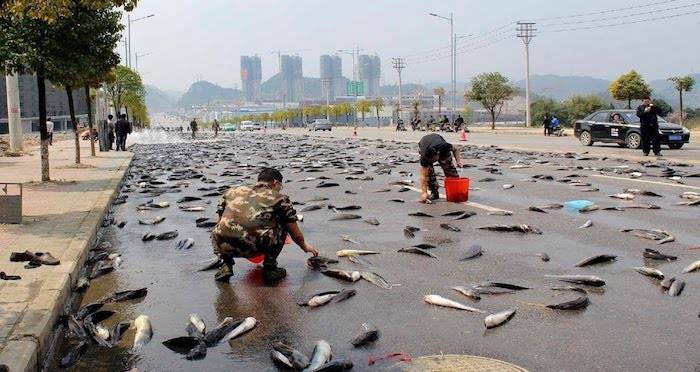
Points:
x=122 y=127
x=649 y=118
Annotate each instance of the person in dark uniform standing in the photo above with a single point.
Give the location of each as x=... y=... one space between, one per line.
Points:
x=122 y=128
x=433 y=148
x=193 y=127
x=649 y=126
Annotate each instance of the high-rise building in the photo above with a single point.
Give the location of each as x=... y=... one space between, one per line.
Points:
x=332 y=72
x=369 y=70
x=292 y=78
x=251 y=75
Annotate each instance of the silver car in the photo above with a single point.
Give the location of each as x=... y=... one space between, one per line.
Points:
x=321 y=124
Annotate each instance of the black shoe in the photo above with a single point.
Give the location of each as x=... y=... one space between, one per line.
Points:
x=224 y=274
x=657 y=154
x=274 y=274
x=646 y=154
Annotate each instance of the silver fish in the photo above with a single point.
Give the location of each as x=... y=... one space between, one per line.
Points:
x=597 y=259
x=444 y=302
x=144 y=331
x=500 y=318
x=587 y=224
x=321 y=355
x=543 y=256
x=695 y=266
x=650 y=271
x=469 y=292
x=295 y=358
x=676 y=288
x=579 y=279
x=368 y=335
x=575 y=304
x=417 y=251
x=472 y=252
x=245 y=326
x=375 y=279
x=350 y=276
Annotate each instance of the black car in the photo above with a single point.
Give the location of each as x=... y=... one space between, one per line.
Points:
x=623 y=129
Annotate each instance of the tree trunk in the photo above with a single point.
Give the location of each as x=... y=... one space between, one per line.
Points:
x=89 y=108
x=629 y=103
x=681 y=97
x=493 y=118
x=439 y=104
x=378 y=124
x=71 y=110
x=43 y=134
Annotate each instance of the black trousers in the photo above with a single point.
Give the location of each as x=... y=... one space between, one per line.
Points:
x=445 y=161
x=650 y=138
x=121 y=141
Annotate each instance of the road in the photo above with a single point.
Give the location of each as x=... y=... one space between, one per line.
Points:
x=629 y=325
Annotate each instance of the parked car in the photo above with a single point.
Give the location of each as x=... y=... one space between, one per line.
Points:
x=599 y=127
x=321 y=124
x=228 y=127
x=250 y=125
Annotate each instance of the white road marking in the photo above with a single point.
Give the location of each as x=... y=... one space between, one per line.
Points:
x=647 y=181
x=485 y=207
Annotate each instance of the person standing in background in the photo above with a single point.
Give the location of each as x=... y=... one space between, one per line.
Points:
x=193 y=127
x=546 y=122
x=49 y=130
x=215 y=127
x=110 y=130
x=649 y=126
x=122 y=128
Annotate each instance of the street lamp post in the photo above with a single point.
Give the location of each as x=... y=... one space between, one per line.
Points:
x=452 y=60
x=129 y=21
x=141 y=55
x=354 y=54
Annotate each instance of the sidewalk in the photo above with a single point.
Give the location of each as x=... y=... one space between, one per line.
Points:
x=61 y=217
x=523 y=139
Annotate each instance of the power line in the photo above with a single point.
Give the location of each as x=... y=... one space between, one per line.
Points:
x=440 y=49
x=462 y=48
x=662 y=10
x=622 y=23
x=606 y=11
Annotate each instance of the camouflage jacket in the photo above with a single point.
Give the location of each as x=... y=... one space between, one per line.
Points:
x=253 y=216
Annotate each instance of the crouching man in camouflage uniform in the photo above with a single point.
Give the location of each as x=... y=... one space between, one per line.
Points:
x=255 y=220
x=433 y=148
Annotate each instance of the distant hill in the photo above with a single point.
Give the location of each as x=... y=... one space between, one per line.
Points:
x=407 y=89
x=203 y=92
x=158 y=100
x=563 y=87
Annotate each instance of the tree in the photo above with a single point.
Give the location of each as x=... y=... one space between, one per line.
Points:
x=440 y=93
x=86 y=43
x=125 y=87
x=663 y=106
x=378 y=104
x=49 y=11
x=364 y=106
x=629 y=86
x=415 y=108
x=491 y=90
x=578 y=107
x=682 y=84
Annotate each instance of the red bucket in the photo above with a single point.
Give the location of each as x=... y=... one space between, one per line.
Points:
x=260 y=258
x=457 y=189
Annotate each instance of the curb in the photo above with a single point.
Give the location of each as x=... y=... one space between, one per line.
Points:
x=30 y=339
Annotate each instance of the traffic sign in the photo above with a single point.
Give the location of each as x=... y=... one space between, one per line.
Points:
x=352 y=86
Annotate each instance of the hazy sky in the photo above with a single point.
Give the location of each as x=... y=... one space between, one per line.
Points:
x=205 y=39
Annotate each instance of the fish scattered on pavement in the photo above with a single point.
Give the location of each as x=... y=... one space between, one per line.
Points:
x=154 y=221
x=419 y=214
x=375 y=279
x=587 y=224
x=536 y=209
x=472 y=252
x=676 y=288
x=507 y=186
x=580 y=302
x=500 y=213
x=499 y=318
x=353 y=252
x=591 y=280
x=650 y=271
x=624 y=196
x=543 y=256
x=597 y=259
x=449 y=227
x=371 y=221
x=127 y=295
x=350 y=276
x=294 y=358
x=660 y=235
x=144 y=331
x=415 y=250
x=469 y=292
x=321 y=355
x=345 y=216
x=656 y=255
x=445 y=302
x=368 y=335
x=523 y=228
x=167 y=235
x=695 y=266
x=185 y=244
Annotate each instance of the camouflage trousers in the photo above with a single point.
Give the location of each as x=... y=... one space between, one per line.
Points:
x=448 y=168
x=228 y=250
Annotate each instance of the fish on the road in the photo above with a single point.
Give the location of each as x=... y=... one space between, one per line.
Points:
x=321 y=355
x=350 y=276
x=653 y=254
x=353 y=252
x=597 y=259
x=543 y=256
x=345 y=216
x=375 y=279
x=153 y=221
x=127 y=295
x=499 y=318
x=659 y=235
x=695 y=266
x=472 y=252
x=449 y=227
x=469 y=292
x=416 y=250
x=580 y=302
x=591 y=280
x=311 y=207
x=368 y=335
x=623 y=196
x=676 y=288
x=523 y=228
x=445 y=302
x=587 y=224
x=296 y=359
x=409 y=231
x=245 y=326
x=185 y=244
x=419 y=214
x=371 y=221
x=144 y=331
x=650 y=271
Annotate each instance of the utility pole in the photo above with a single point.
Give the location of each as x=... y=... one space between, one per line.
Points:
x=354 y=53
x=399 y=64
x=137 y=58
x=526 y=32
x=129 y=21
x=14 y=119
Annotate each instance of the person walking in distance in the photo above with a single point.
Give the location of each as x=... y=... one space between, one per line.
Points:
x=215 y=127
x=546 y=122
x=193 y=127
x=649 y=126
x=122 y=128
x=110 y=130
x=49 y=130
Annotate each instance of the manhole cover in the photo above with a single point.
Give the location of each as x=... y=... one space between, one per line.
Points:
x=467 y=363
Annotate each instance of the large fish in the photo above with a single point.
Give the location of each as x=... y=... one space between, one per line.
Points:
x=153 y=221
x=650 y=271
x=579 y=279
x=449 y=227
x=185 y=244
x=660 y=235
x=353 y=252
x=575 y=304
x=295 y=358
x=214 y=336
x=419 y=214
x=73 y=355
x=167 y=235
x=695 y=266
x=415 y=250
x=442 y=301
x=127 y=295
x=321 y=355
x=144 y=331
x=350 y=276
x=246 y=325
x=345 y=216
x=472 y=252
x=523 y=228
x=469 y=292
x=375 y=279
x=597 y=259
x=499 y=318
x=337 y=365
x=368 y=335
x=676 y=288
x=196 y=326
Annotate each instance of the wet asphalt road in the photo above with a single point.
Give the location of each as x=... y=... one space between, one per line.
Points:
x=630 y=324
